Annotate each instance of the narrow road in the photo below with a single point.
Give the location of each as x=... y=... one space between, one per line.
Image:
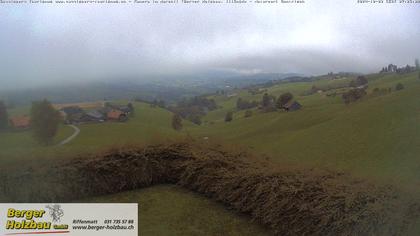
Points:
x=76 y=132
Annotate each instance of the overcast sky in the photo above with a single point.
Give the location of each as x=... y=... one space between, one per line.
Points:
x=42 y=44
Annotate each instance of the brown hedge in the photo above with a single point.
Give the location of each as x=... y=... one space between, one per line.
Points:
x=292 y=201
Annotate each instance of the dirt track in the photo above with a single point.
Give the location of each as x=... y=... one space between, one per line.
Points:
x=71 y=137
x=291 y=201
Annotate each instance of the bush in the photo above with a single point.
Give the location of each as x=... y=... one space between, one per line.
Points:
x=196 y=119
x=229 y=116
x=248 y=113
x=361 y=80
x=267 y=100
x=284 y=99
x=242 y=104
x=353 y=95
x=399 y=86
x=131 y=108
x=380 y=92
x=176 y=122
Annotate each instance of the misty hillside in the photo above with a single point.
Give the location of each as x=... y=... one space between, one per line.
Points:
x=179 y=88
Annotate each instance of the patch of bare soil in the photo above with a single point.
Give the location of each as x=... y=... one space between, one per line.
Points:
x=292 y=201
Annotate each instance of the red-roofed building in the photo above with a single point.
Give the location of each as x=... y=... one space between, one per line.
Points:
x=20 y=122
x=116 y=115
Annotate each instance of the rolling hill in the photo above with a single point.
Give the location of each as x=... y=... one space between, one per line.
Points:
x=376 y=138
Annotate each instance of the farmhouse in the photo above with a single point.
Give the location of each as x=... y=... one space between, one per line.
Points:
x=73 y=114
x=292 y=106
x=117 y=115
x=71 y=110
x=95 y=116
x=20 y=122
x=123 y=108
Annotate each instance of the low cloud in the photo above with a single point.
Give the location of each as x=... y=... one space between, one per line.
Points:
x=50 y=44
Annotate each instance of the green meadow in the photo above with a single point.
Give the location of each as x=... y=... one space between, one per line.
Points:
x=148 y=125
x=171 y=210
x=377 y=137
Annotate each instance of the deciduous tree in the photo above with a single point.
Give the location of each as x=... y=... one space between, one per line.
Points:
x=131 y=107
x=399 y=86
x=229 y=116
x=4 y=118
x=176 y=122
x=353 y=95
x=45 y=120
x=248 y=113
x=284 y=99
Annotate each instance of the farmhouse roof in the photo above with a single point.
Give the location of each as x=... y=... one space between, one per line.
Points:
x=20 y=121
x=72 y=110
x=95 y=114
x=114 y=114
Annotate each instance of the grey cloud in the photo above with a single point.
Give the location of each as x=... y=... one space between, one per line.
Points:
x=40 y=45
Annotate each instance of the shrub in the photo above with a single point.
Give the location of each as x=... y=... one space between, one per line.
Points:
x=284 y=99
x=229 y=116
x=399 y=86
x=194 y=118
x=131 y=108
x=176 y=122
x=268 y=103
x=248 y=113
x=361 y=80
x=242 y=104
x=353 y=95
x=380 y=92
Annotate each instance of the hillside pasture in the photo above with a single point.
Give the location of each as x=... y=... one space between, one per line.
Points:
x=375 y=137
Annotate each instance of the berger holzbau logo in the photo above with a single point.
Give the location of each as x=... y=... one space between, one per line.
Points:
x=36 y=220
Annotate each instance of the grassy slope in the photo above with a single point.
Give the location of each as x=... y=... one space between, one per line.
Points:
x=147 y=125
x=170 y=210
x=377 y=136
x=20 y=145
x=163 y=209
